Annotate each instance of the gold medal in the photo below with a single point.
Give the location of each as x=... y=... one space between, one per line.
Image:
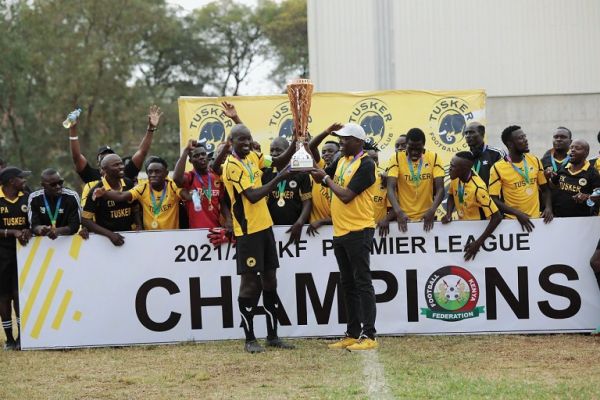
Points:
x=154 y=224
x=461 y=213
x=281 y=202
x=210 y=207
x=529 y=191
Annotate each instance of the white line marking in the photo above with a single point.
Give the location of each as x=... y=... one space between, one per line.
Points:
x=374 y=374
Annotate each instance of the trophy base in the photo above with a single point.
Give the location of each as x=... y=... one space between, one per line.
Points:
x=301 y=161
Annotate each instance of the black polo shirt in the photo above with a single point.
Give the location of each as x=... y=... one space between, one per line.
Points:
x=13 y=215
x=567 y=185
x=484 y=159
x=116 y=216
x=89 y=174
x=69 y=213
x=294 y=191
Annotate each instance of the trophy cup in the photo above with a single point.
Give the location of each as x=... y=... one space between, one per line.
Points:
x=300 y=92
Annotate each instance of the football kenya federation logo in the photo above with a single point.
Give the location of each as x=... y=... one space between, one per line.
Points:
x=447 y=122
x=451 y=294
x=375 y=117
x=209 y=124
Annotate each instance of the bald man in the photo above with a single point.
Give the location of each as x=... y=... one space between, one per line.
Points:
x=485 y=156
x=574 y=182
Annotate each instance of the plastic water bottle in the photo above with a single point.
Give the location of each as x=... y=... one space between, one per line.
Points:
x=71 y=118
x=590 y=202
x=196 y=200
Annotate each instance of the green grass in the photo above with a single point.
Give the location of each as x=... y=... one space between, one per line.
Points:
x=444 y=367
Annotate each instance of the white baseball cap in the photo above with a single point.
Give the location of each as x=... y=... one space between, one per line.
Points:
x=351 y=129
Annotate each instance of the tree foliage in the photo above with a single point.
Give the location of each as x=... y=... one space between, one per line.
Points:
x=114 y=58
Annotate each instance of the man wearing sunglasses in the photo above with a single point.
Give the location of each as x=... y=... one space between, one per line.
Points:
x=54 y=210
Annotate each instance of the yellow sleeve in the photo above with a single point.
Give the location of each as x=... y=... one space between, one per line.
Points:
x=438 y=169
x=136 y=192
x=495 y=183
x=541 y=178
x=485 y=202
x=262 y=163
x=392 y=166
x=321 y=163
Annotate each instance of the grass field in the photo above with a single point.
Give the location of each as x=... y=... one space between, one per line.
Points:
x=411 y=367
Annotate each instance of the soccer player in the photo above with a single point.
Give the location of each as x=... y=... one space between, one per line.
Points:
x=415 y=182
x=159 y=197
x=107 y=217
x=558 y=156
x=14 y=225
x=54 y=210
x=469 y=196
x=89 y=174
x=485 y=156
x=515 y=182
x=290 y=203
x=208 y=184
x=574 y=182
x=351 y=179
x=256 y=257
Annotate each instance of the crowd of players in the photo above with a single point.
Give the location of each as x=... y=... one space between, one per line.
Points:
x=238 y=193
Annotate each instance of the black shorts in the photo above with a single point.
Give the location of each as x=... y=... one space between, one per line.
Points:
x=8 y=271
x=256 y=252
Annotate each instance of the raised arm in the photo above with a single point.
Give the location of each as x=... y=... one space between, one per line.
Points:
x=112 y=195
x=78 y=159
x=154 y=115
x=180 y=166
x=315 y=142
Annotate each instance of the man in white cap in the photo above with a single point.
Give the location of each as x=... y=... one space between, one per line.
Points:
x=351 y=179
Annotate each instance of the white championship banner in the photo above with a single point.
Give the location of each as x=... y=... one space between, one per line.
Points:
x=173 y=286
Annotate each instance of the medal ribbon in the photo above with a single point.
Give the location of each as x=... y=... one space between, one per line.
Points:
x=523 y=172
x=208 y=193
x=281 y=189
x=461 y=190
x=345 y=168
x=53 y=217
x=563 y=162
x=416 y=178
x=156 y=207
x=478 y=166
x=247 y=166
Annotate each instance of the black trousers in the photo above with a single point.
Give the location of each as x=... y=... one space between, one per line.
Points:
x=353 y=254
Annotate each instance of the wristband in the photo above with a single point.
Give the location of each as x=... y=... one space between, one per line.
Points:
x=152 y=129
x=73 y=137
x=324 y=180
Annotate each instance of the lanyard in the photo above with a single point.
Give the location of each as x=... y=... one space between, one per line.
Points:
x=156 y=207
x=523 y=172
x=281 y=188
x=247 y=166
x=478 y=166
x=53 y=217
x=563 y=162
x=208 y=193
x=461 y=190
x=416 y=178
x=344 y=168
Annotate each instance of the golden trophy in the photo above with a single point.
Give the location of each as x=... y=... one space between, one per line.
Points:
x=300 y=92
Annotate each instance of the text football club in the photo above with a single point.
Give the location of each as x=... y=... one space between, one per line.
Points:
x=447 y=122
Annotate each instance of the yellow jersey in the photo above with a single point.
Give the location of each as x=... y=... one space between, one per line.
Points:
x=321 y=199
x=471 y=199
x=415 y=181
x=518 y=186
x=379 y=196
x=166 y=202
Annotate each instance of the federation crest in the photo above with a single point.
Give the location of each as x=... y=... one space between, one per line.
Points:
x=582 y=182
x=451 y=294
x=209 y=124
x=447 y=122
x=250 y=262
x=375 y=117
x=24 y=208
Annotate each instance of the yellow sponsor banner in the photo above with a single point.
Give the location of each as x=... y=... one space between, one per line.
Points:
x=384 y=115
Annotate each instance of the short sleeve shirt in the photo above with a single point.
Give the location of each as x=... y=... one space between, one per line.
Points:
x=568 y=184
x=285 y=201
x=321 y=199
x=476 y=202
x=116 y=216
x=211 y=192
x=168 y=211
x=415 y=186
x=13 y=215
x=507 y=180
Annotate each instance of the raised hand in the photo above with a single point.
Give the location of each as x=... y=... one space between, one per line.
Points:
x=230 y=111
x=154 y=115
x=336 y=126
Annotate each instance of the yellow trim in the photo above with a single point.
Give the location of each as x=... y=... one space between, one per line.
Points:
x=77 y=316
x=29 y=261
x=62 y=309
x=75 y=246
x=3 y=196
x=585 y=167
x=107 y=186
x=36 y=287
x=39 y=323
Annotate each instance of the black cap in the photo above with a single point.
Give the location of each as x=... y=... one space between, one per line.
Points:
x=105 y=150
x=12 y=172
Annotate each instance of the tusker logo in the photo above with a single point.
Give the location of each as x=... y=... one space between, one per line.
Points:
x=447 y=122
x=282 y=121
x=375 y=117
x=451 y=294
x=208 y=125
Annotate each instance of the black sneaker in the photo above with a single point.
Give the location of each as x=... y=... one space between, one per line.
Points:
x=280 y=344
x=10 y=345
x=252 y=346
